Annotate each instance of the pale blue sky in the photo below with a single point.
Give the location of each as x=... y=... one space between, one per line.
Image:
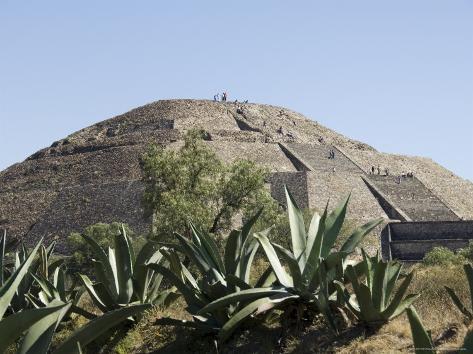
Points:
x=397 y=74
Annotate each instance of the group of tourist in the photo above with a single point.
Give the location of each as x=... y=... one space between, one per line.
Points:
x=224 y=98
x=218 y=97
x=378 y=171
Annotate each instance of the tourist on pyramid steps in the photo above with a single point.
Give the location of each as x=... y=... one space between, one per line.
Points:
x=386 y=171
x=372 y=170
x=224 y=97
x=378 y=170
x=216 y=98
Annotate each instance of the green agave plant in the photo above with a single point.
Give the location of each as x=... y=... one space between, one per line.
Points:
x=36 y=327
x=312 y=265
x=456 y=300
x=41 y=266
x=220 y=276
x=59 y=290
x=422 y=338
x=374 y=300
x=39 y=336
x=124 y=279
x=20 y=321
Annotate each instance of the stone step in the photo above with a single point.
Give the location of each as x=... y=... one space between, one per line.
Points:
x=413 y=198
x=316 y=157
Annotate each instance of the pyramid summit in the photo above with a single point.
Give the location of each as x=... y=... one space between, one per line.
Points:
x=94 y=175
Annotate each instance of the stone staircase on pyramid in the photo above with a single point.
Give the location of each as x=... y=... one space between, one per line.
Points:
x=412 y=197
x=316 y=157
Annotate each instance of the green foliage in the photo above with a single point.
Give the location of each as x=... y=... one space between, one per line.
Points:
x=373 y=281
x=311 y=266
x=421 y=337
x=43 y=265
x=467 y=252
x=102 y=234
x=122 y=277
x=60 y=289
x=219 y=277
x=98 y=327
x=193 y=184
x=468 y=313
x=443 y=256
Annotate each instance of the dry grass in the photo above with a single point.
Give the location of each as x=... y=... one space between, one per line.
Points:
x=434 y=305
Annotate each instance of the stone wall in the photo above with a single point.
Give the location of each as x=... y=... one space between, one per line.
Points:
x=411 y=240
x=117 y=163
x=268 y=155
x=325 y=186
x=20 y=210
x=296 y=182
x=237 y=136
x=89 y=204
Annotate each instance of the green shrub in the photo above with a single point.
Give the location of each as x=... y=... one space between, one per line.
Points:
x=443 y=256
x=467 y=252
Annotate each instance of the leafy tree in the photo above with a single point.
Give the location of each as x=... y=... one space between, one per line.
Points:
x=191 y=183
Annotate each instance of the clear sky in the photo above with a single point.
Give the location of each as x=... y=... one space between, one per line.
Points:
x=396 y=74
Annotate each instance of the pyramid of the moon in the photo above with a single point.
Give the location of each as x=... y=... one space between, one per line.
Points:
x=93 y=175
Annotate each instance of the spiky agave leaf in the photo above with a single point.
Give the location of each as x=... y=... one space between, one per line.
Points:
x=7 y=291
x=463 y=309
x=39 y=336
x=422 y=339
x=95 y=328
x=373 y=302
x=298 y=232
x=13 y=326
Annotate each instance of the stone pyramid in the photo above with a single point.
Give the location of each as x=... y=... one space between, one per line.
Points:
x=93 y=175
